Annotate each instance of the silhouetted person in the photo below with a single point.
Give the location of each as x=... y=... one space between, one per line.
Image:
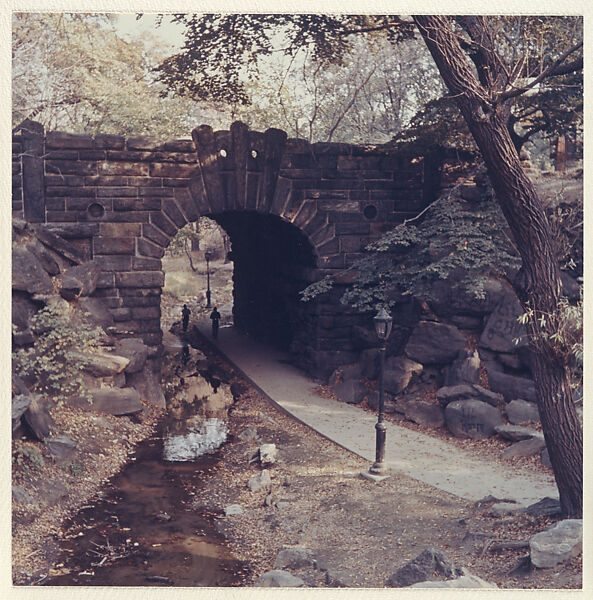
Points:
x=185 y=312
x=215 y=316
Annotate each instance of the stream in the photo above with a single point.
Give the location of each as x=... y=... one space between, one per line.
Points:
x=144 y=531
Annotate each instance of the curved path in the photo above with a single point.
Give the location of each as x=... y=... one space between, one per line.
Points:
x=422 y=457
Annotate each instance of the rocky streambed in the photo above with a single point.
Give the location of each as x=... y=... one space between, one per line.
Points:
x=144 y=530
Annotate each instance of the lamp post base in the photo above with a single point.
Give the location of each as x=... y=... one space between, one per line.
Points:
x=374 y=476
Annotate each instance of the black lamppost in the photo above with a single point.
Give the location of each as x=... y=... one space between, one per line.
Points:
x=208 y=257
x=383 y=323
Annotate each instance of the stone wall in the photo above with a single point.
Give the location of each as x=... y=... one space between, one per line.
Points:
x=294 y=211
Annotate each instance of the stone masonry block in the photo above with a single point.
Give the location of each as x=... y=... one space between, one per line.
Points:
x=113 y=245
x=114 y=142
x=69 y=192
x=144 y=263
x=92 y=154
x=149 y=249
x=186 y=203
x=136 y=204
x=114 y=262
x=131 y=216
x=142 y=313
x=120 y=229
x=163 y=223
x=143 y=142
x=155 y=235
x=59 y=139
x=71 y=167
x=123 y=168
x=173 y=170
x=67 y=180
x=103 y=180
x=117 y=192
x=140 y=279
x=83 y=203
x=172 y=211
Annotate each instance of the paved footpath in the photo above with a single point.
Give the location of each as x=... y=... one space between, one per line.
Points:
x=424 y=458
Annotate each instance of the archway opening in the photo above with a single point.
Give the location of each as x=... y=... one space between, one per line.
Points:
x=257 y=266
x=273 y=261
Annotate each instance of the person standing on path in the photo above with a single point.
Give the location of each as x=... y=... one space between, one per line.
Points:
x=185 y=312
x=215 y=316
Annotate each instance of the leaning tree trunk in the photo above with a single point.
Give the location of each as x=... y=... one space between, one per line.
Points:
x=540 y=287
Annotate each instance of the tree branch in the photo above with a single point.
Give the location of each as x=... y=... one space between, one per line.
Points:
x=556 y=68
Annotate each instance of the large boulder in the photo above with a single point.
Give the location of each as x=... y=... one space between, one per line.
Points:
x=96 y=312
x=446 y=395
x=147 y=384
x=426 y=565
x=23 y=308
x=28 y=275
x=511 y=386
x=503 y=332
x=369 y=363
x=114 y=401
x=520 y=411
x=278 y=578
x=80 y=280
x=465 y=369
x=424 y=413
x=101 y=364
x=350 y=391
x=516 y=433
x=135 y=350
x=345 y=372
x=20 y=404
x=38 y=418
x=398 y=373
x=529 y=447
x=557 y=544
x=60 y=447
x=450 y=299
x=472 y=419
x=465 y=581
x=46 y=260
x=19 y=494
x=363 y=337
x=546 y=507
x=435 y=343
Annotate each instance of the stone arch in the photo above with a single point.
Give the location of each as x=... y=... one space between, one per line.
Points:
x=119 y=202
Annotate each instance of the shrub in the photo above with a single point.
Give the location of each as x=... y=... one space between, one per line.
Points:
x=50 y=364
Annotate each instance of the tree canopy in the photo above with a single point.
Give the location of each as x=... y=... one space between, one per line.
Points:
x=74 y=72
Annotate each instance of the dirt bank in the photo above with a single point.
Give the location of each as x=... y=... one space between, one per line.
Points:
x=361 y=532
x=58 y=489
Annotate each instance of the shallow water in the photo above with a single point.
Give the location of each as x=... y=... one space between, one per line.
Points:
x=144 y=531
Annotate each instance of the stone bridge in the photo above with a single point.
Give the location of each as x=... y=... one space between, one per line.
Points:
x=294 y=212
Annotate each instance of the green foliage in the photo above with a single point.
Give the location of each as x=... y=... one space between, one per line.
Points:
x=452 y=238
x=222 y=52
x=438 y=124
x=182 y=240
x=74 y=72
x=51 y=362
x=26 y=456
x=563 y=331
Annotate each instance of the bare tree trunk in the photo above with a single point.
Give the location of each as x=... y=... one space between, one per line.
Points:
x=540 y=286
